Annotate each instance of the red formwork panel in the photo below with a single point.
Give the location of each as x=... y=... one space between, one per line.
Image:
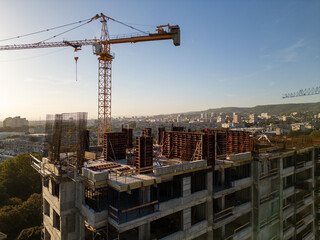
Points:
x=160 y=135
x=182 y=145
x=114 y=146
x=147 y=132
x=144 y=152
x=129 y=135
x=229 y=141
x=177 y=128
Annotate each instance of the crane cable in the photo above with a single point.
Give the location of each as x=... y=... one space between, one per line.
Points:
x=69 y=24
x=45 y=30
x=127 y=25
x=64 y=32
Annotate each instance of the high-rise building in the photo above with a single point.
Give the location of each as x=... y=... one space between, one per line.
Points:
x=253 y=118
x=236 y=118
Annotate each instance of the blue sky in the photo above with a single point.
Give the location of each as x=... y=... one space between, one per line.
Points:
x=232 y=53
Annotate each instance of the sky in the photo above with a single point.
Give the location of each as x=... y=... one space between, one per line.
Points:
x=232 y=53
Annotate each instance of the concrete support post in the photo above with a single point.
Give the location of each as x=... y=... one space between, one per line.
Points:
x=146 y=194
x=186 y=186
x=210 y=235
x=63 y=227
x=210 y=183
x=186 y=219
x=144 y=229
x=282 y=182
x=209 y=205
x=223 y=178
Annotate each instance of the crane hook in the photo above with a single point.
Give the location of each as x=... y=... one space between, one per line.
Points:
x=76 y=59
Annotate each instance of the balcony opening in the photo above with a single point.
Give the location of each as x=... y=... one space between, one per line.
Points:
x=198 y=181
x=96 y=199
x=56 y=220
x=198 y=213
x=288 y=162
x=127 y=206
x=240 y=172
x=239 y=225
x=46 y=208
x=166 y=225
x=288 y=182
x=46 y=182
x=55 y=188
x=170 y=189
x=238 y=198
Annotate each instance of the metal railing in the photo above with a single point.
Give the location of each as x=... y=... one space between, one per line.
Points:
x=287 y=227
x=301 y=222
x=286 y=207
x=300 y=164
x=268 y=197
x=270 y=173
x=223 y=214
x=242 y=227
x=125 y=215
x=115 y=175
x=305 y=234
x=268 y=220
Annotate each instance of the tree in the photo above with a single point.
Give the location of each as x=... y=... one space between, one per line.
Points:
x=18 y=178
x=15 y=218
x=315 y=134
x=33 y=233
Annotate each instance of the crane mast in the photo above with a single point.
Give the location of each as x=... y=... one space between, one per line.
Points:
x=104 y=83
x=101 y=48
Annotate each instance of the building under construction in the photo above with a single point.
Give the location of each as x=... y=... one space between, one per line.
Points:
x=211 y=184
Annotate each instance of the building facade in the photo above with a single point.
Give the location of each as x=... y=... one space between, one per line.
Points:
x=243 y=196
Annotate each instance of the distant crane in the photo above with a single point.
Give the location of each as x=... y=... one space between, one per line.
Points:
x=101 y=48
x=303 y=92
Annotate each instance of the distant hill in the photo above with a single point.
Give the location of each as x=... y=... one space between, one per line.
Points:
x=273 y=109
x=276 y=109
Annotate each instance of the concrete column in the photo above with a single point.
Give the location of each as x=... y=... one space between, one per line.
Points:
x=223 y=231
x=186 y=219
x=146 y=194
x=144 y=231
x=81 y=225
x=64 y=227
x=210 y=235
x=209 y=206
x=210 y=183
x=223 y=177
x=186 y=186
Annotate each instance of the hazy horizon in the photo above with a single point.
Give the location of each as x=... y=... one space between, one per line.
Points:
x=232 y=54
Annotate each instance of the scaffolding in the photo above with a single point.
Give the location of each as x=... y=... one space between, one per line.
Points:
x=66 y=133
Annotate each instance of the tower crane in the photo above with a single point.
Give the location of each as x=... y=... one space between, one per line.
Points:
x=303 y=92
x=101 y=48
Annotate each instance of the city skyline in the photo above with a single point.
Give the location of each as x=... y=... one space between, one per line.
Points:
x=231 y=54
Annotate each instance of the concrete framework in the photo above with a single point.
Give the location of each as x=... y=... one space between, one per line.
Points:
x=264 y=196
